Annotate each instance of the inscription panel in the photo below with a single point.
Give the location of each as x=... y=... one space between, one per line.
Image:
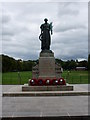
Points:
x=46 y=67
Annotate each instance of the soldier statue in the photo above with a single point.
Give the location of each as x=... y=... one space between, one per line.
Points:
x=45 y=35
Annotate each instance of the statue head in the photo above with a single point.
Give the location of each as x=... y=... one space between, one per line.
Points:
x=45 y=20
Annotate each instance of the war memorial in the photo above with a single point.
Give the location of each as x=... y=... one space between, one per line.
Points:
x=46 y=75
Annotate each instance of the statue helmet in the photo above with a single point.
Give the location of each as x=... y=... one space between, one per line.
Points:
x=45 y=19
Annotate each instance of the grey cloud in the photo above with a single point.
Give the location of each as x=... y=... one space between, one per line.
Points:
x=78 y=36
x=67 y=9
x=15 y=31
x=68 y=12
x=67 y=22
x=7 y=33
x=70 y=53
x=69 y=0
x=71 y=45
x=6 y=38
x=22 y=52
x=5 y=19
x=68 y=27
x=89 y=28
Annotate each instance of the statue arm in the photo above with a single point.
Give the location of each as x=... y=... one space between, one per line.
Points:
x=51 y=28
x=40 y=36
x=41 y=29
x=51 y=32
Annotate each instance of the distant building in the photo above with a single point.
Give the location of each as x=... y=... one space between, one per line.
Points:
x=81 y=68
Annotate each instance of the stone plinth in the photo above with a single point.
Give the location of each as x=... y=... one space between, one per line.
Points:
x=46 y=65
x=48 y=88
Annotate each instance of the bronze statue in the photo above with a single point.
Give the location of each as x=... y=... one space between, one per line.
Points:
x=45 y=35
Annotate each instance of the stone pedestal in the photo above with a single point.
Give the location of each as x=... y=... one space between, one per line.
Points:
x=47 y=68
x=46 y=65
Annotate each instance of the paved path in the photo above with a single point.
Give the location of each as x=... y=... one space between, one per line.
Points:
x=18 y=88
x=44 y=106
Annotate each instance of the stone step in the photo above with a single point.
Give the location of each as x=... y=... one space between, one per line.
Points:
x=44 y=93
x=47 y=88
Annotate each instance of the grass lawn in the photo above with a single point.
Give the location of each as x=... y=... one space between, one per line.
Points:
x=73 y=77
x=76 y=77
x=16 y=78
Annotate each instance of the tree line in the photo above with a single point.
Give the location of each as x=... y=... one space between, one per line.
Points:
x=10 y=64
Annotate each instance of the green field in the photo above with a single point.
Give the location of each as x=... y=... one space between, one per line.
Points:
x=76 y=77
x=73 y=77
x=16 y=78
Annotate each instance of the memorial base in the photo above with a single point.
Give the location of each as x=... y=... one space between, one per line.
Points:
x=47 y=88
x=47 y=66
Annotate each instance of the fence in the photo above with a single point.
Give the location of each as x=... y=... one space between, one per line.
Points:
x=16 y=78
x=76 y=77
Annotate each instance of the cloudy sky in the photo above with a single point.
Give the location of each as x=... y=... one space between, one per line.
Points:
x=21 y=27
